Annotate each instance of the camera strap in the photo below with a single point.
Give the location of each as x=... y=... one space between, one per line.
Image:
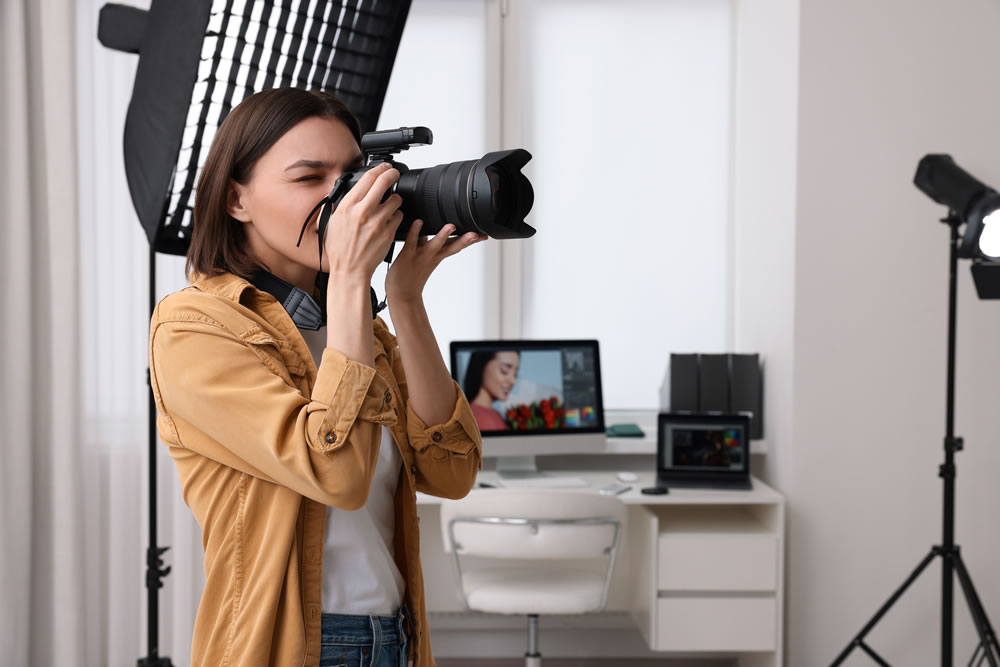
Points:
x=305 y=312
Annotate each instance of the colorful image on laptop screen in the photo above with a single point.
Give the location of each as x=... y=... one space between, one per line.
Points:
x=694 y=447
x=519 y=387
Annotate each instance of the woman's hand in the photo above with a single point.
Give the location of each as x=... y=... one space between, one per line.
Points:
x=409 y=272
x=362 y=226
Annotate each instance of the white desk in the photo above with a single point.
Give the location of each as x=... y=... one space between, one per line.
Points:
x=700 y=572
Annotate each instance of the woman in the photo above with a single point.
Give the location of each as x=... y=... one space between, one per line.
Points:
x=300 y=446
x=490 y=377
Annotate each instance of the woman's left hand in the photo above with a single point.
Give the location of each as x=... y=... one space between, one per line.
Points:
x=420 y=255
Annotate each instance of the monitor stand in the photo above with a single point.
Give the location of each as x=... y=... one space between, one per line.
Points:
x=519 y=467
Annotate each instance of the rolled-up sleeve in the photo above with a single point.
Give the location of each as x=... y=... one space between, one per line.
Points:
x=345 y=392
x=228 y=397
x=449 y=455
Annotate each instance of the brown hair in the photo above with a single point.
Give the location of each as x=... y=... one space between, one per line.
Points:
x=219 y=241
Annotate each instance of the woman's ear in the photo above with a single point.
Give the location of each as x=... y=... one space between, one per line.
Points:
x=234 y=202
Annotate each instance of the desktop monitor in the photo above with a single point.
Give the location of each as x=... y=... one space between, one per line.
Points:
x=533 y=396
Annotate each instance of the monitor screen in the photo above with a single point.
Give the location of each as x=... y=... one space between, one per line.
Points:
x=531 y=387
x=702 y=444
x=705 y=448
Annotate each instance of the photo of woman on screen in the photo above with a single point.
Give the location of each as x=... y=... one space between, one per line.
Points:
x=490 y=377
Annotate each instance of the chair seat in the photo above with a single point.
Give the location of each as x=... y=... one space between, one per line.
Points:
x=521 y=590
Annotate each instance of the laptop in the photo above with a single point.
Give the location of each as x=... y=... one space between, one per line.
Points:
x=708 y=451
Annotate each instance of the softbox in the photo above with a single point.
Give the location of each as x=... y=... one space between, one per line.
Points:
x=200 y=58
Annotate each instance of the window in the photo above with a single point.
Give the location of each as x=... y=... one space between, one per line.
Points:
x=626 y=108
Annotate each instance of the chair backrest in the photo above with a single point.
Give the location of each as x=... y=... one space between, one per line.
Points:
x=533 y=524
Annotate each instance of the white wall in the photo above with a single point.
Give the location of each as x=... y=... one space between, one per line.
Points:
x=881 y=84
x=765 y=93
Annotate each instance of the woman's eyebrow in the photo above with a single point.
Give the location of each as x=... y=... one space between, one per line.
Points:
x=312 y=164
x=322 y=164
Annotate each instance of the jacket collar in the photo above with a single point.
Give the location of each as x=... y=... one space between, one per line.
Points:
x=227 y=285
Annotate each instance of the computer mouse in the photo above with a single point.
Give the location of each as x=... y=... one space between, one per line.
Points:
x=627 y=477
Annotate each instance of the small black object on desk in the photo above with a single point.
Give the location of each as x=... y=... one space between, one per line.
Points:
x=655 y=490
x=484 y=485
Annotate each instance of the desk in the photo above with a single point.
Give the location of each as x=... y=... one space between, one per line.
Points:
x=700 y=572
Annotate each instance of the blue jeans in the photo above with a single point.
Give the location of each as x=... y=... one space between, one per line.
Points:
x=365 y=641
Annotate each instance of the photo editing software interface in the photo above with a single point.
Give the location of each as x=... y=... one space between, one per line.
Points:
x=693 y=447
x=527 y=387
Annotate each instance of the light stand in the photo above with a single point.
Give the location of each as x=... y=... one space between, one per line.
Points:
x=951 y=557
x=154 y=563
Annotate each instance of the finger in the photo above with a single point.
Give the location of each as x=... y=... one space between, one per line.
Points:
x=456 y=245
x=413 y=235
x=385 y=234
x=436 y=243
x=412 y=240
x=396 y=223
x=385 y=180
x=364 y=185
x=390 y=205
x=385 y=214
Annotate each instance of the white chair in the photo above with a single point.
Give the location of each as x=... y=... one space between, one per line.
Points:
x=533 y=551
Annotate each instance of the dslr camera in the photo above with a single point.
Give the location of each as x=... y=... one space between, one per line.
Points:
x=488 y=196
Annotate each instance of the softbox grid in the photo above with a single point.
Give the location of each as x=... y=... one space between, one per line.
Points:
x=346 y=47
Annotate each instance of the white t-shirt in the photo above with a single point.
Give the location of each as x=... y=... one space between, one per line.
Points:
x=359 y=574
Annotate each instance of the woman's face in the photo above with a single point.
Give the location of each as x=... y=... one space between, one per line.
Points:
x=500 y=374
x=287 y=182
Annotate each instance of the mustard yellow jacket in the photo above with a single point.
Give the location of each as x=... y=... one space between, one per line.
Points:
x=263 y=441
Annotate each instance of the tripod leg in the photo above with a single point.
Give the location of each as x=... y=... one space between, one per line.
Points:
x=859 y=639
x=987 y=636
x=975 y=654
x=873 y=655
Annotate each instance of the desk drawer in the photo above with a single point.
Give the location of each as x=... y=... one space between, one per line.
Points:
x=717 y=562
x=716 y=624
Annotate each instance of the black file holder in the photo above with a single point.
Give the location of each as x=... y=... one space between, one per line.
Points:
x=728 y=383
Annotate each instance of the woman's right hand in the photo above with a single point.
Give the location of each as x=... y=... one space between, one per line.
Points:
x=362 y=227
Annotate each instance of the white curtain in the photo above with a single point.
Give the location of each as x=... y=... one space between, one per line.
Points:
x=42 y=574
x=73 y=399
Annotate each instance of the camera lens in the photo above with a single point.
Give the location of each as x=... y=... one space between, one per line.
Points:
x=487 y=196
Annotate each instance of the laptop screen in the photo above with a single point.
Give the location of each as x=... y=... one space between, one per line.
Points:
x=703 y=444
x=531 y=387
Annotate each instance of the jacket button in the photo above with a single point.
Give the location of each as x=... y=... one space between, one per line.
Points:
x=331 y=437
x=413 y=470
x=388 y=397
x=437 y=436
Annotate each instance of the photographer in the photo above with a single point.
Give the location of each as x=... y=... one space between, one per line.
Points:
x=300 y=449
